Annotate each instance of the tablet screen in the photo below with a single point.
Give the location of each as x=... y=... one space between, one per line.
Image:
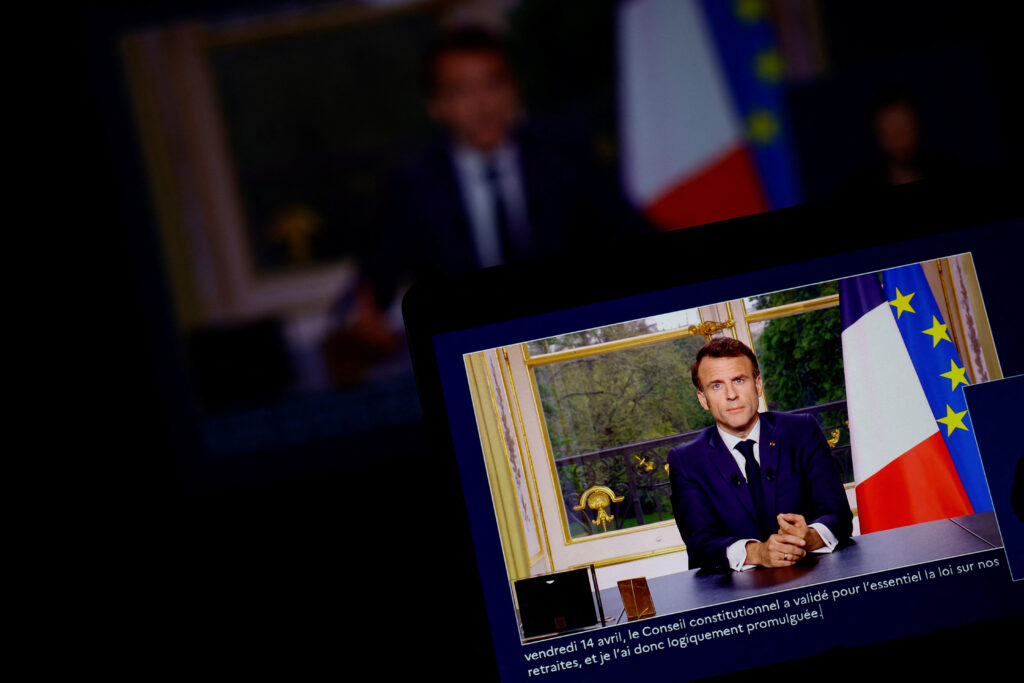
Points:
x=564 y=425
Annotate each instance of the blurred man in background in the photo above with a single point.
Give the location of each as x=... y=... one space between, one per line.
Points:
x=493 y=190
x=898 y=136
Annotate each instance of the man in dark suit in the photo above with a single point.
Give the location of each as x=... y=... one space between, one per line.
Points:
x=754 y=489
x=494 y=190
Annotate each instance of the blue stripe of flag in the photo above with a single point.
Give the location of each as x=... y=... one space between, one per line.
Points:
x=857 y=296
x=739 y=42
x=931 y=361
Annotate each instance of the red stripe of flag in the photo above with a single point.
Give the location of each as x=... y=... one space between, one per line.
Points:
x=922 y=484
x=727 y=188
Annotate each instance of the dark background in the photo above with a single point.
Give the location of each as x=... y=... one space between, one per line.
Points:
x=276 y=559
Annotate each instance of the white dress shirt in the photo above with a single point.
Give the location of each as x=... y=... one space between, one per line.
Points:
x=471 y=173
x=736 y=553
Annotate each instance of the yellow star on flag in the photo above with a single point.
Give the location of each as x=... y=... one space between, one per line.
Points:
x=750 y=11
x=953 y=420
x=769 y=66
x=902 y=303
x=762 y=126
x=955 y=375
x=937 y=331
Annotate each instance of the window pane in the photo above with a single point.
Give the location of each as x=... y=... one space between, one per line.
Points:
x=801 y=359
x=611 y=420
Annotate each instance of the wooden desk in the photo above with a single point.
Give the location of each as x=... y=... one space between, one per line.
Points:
x=867 y=554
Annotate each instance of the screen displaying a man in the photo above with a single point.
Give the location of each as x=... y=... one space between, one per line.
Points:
x=755 y=489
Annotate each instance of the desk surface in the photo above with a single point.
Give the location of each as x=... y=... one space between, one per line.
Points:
x=867 y=554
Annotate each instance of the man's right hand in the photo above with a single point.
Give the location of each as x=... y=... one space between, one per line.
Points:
x=780 y=550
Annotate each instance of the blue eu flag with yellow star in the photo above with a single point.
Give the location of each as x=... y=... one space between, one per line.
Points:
x=755 y=71
x=941 y=371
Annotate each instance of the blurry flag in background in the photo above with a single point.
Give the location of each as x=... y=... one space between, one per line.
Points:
x=704 y=134
x=904 y=469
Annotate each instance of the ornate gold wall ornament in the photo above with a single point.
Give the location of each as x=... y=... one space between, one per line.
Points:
x=834 y=439
x=598 y=498
x=708 y=328
x=295 y=227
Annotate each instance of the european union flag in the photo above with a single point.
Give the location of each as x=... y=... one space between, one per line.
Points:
x=755 y=69
x=941 y=371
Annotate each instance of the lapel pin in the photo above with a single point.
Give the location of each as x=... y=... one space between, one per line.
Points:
x=771 y=443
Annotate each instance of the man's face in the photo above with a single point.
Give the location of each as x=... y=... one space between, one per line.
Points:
x=897 y=131
x=730 y=391
x=475 y=97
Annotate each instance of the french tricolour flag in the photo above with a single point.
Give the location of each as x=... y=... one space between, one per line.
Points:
x=703 y=133
x=904 y=471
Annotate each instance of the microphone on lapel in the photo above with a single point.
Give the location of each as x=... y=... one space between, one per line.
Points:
x=737 y=480
x=769 y=474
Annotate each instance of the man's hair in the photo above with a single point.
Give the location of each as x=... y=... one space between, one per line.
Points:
x=891 y=96
x=722 y=347
x=469 y=38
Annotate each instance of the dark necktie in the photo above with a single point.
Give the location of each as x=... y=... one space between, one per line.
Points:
x=508 y=251
x=753 y=471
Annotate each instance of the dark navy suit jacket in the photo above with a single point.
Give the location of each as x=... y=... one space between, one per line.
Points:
x=712 y=502
x=423 y=228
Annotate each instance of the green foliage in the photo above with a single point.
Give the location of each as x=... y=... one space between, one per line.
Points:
x=616 y=399
x=801 y=357
x=621 y=397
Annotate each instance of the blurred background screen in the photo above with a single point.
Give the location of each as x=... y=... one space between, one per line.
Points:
x=272 y=142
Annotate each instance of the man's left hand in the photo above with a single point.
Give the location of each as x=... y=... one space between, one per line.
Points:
x=795 y=525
